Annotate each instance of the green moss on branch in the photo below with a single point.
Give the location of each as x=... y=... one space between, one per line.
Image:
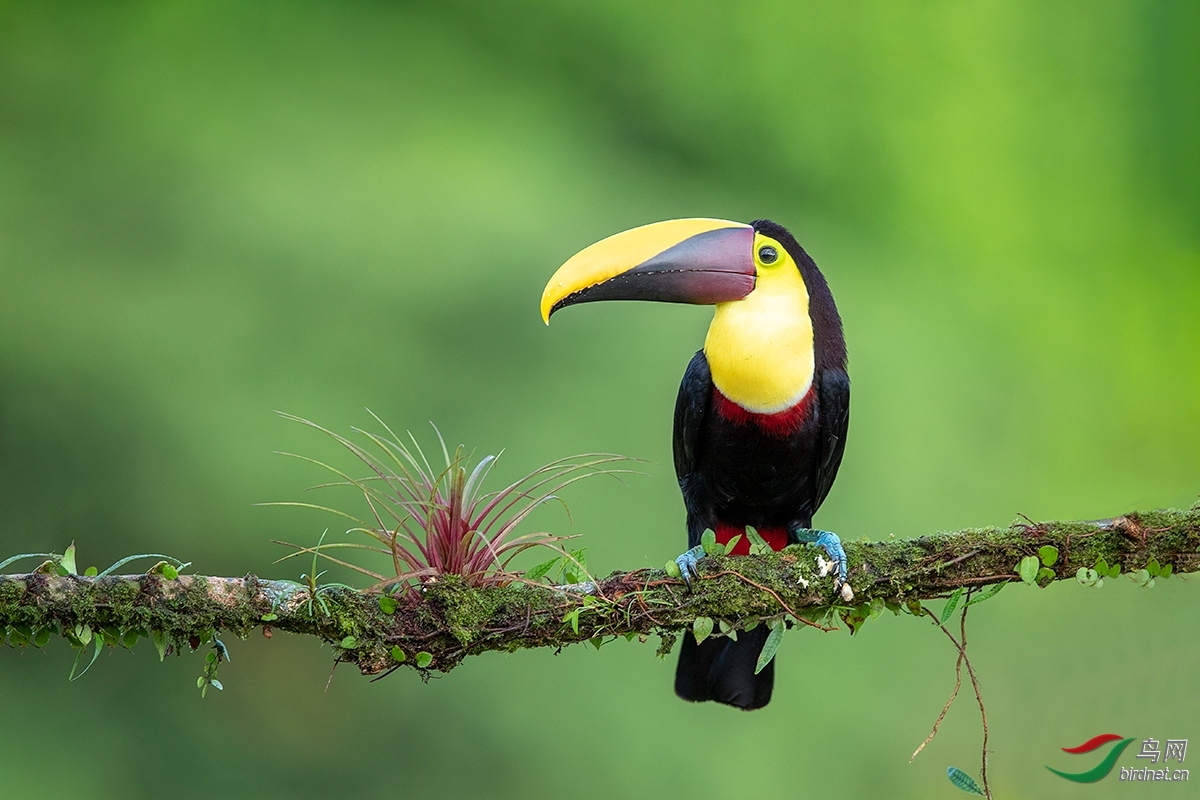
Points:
x=439 y=624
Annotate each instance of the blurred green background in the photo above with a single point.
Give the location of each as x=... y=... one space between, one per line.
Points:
x=209 y=211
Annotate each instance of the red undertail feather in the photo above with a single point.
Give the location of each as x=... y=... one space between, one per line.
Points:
x=776 y=537
x=782 y=423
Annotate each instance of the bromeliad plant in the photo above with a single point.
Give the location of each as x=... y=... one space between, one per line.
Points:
x=432 y=522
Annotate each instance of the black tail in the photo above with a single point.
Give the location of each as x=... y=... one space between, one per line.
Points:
x=723 y=670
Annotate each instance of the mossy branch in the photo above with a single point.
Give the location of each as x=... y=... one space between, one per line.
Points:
x=436 y=626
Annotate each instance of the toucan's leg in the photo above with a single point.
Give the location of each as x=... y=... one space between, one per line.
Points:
x=831 y=544
x=687 y=563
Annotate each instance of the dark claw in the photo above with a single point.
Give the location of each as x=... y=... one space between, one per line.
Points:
x=687 y=563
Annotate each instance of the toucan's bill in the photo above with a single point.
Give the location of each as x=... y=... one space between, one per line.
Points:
x=701 y=261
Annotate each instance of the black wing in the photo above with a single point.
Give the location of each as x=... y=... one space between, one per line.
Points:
x=834 y=411
x=691 y=407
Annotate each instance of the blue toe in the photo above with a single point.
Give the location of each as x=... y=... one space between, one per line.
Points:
x=687 y=563
x=831 y=544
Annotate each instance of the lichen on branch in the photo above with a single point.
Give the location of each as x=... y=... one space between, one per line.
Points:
x=444 y=620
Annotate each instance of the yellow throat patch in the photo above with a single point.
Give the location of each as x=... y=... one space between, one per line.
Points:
x=760 y=348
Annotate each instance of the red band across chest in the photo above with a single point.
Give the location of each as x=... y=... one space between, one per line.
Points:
x=775 y=537
x=780 y=424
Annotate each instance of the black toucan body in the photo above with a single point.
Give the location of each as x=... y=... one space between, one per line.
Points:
x=762 y=412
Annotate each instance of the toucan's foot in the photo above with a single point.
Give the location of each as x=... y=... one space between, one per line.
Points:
x=832 y=545
x=687 y=563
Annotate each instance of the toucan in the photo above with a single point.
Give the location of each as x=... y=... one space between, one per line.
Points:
x=762 y=412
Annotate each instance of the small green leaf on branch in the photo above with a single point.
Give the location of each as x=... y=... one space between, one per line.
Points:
x=83 y=633
x=575 y=567
x=770 y=646
x=758 y=545
x=68 y=560
x=951 y=604
x=963 y=781
x=99 y=644
x=1142 y=578
x=877 y=607
x=164 y=568
x=537 y=573
x=986 y=593
x=1028 y=568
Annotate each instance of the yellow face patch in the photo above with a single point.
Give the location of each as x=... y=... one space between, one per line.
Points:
x=760 y=348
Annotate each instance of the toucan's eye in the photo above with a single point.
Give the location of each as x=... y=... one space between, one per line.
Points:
x=768 y=254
